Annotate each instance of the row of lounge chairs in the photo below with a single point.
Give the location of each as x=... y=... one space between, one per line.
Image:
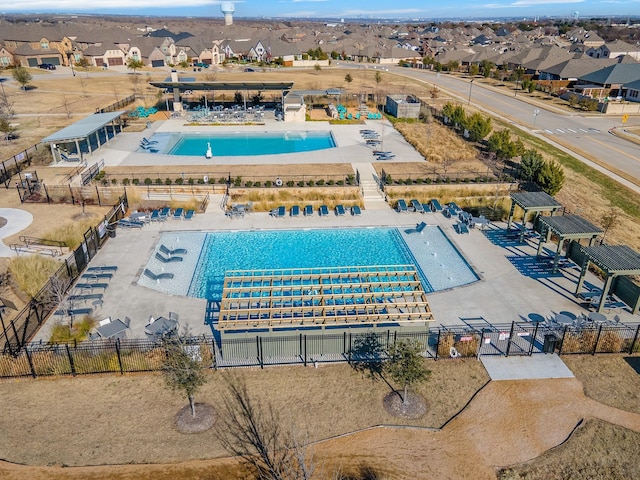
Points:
x=413 y=206
x=93 y=278
x=165 y=255
x=308 y=210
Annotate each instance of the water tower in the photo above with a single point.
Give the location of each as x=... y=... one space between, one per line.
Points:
x=227 y=8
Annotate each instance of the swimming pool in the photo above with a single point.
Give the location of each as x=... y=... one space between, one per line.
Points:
x=242 y=143
x=439 y=264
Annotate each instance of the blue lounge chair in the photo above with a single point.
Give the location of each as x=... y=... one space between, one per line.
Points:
x=169 y=259
x=435 y=205
x=295 y=211
x=125 y=223
x=147 y=141
x=323 y=210
x=462 y=228
x=164 y=213
x=178 y=214
x=308 y=210
x=417 y=206
x=340 y=210
x=158 y=276
x=418 y=229
x=189 y=214
x=103 y=268
x=175 y=251
x=278 y=212
x=98 y=275
x=355 y=210
x=155 y=216
x=401 y=207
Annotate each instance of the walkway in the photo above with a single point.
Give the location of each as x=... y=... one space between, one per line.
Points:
x=537 y=366
x=17 y=220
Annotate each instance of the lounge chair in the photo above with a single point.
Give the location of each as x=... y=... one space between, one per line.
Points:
x=418 y=228
x=178 y=214
x=169 y=259
x=148 y=148
x=278 y=212
x=417 y=206
x=168 y=251
x=308 y=210
x=98 y=275
x=125 y=223
x=189 y=214
x=401 y=206
x=159 y=276
x=295 y=211
x=85 y=297
x=355 y=210
x=462 y=228
x=164 y=213
x=80 y=311
x=103 y=268
x=446 y=212
x=435 y=205
x=155 y=216
x=323 y=210
x=91 y=286
x=340 y=210
x=147 y=141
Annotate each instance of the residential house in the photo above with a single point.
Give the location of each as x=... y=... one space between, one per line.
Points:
x=614 y=49
x=6 y=58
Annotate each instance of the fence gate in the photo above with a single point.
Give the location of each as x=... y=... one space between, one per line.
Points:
x=510 y=339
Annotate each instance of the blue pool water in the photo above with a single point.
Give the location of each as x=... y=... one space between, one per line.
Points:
x=438 y=262
x=245 y=143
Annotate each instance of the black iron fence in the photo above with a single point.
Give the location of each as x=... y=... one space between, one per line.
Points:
x=16 y=164
x=138 y=355
x=120 y=104
x=20 y=330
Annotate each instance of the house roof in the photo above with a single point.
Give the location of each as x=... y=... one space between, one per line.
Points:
x=618 y=74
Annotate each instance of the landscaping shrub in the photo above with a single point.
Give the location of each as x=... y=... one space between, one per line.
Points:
x=148 y=181
x=179 y=181
x=32 y=272
x=126 y=181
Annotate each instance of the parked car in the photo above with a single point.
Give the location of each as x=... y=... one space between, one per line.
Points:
x=201 y=65
x=47 y=66
x=249 y=70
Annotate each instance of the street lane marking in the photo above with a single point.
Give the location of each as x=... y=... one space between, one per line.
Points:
x=561 y=131
x=572 y=130
x=621 y=152
x=548 y=131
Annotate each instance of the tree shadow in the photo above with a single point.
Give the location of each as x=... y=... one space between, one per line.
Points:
x=367 y=356
x=363 y=472
x=634 y=362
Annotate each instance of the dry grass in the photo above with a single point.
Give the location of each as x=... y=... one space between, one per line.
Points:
x=438 y=143
x=124 y=419
x=609 y=379
x=264 y=200
x=597 y=450
x=31 y=272
x=72 y=232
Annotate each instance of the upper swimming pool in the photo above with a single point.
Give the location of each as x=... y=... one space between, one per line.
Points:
x=242 y=143
x=210 y=255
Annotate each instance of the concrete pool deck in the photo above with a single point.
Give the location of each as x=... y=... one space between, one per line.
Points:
x=503 y=294
x=350 y=146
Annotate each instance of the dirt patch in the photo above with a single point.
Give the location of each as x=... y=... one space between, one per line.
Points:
x=203 y=421
x=414 y=407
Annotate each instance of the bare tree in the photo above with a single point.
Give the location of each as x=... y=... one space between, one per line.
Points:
x=609 y=220
x=183 y=366
x=65 y=104
x=254 y=431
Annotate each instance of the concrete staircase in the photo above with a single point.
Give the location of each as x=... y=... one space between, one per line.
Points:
x=373 y=198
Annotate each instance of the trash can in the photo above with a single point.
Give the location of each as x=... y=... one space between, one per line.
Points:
x=112 y=232
x=549 y=345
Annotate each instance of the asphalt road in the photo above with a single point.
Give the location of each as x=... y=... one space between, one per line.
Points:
x=577 y=133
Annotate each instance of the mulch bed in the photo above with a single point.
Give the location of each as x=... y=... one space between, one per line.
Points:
x=414 y=407
x=203 y=421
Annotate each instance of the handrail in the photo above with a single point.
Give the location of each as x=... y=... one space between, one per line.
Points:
x=41 y=241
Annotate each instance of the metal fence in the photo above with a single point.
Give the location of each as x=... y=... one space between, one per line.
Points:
x=137 y=355
x=16 y=164
x=21 y=329
x=120 y=104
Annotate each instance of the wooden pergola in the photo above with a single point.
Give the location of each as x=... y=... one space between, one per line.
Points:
x=613 y=260
x=537 y=202
x=566 y=227
x=327 y=296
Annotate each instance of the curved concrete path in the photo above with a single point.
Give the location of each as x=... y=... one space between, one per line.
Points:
x=17 y=220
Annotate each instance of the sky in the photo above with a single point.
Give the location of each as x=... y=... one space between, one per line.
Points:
x=337 y=9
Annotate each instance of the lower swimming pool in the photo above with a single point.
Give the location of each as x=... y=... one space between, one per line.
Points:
x=439 y=264
x=242 y=143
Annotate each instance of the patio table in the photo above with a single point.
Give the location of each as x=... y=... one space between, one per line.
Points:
x=563 y=319
x=161 y=326
x=114 y=329
x=597 y=317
